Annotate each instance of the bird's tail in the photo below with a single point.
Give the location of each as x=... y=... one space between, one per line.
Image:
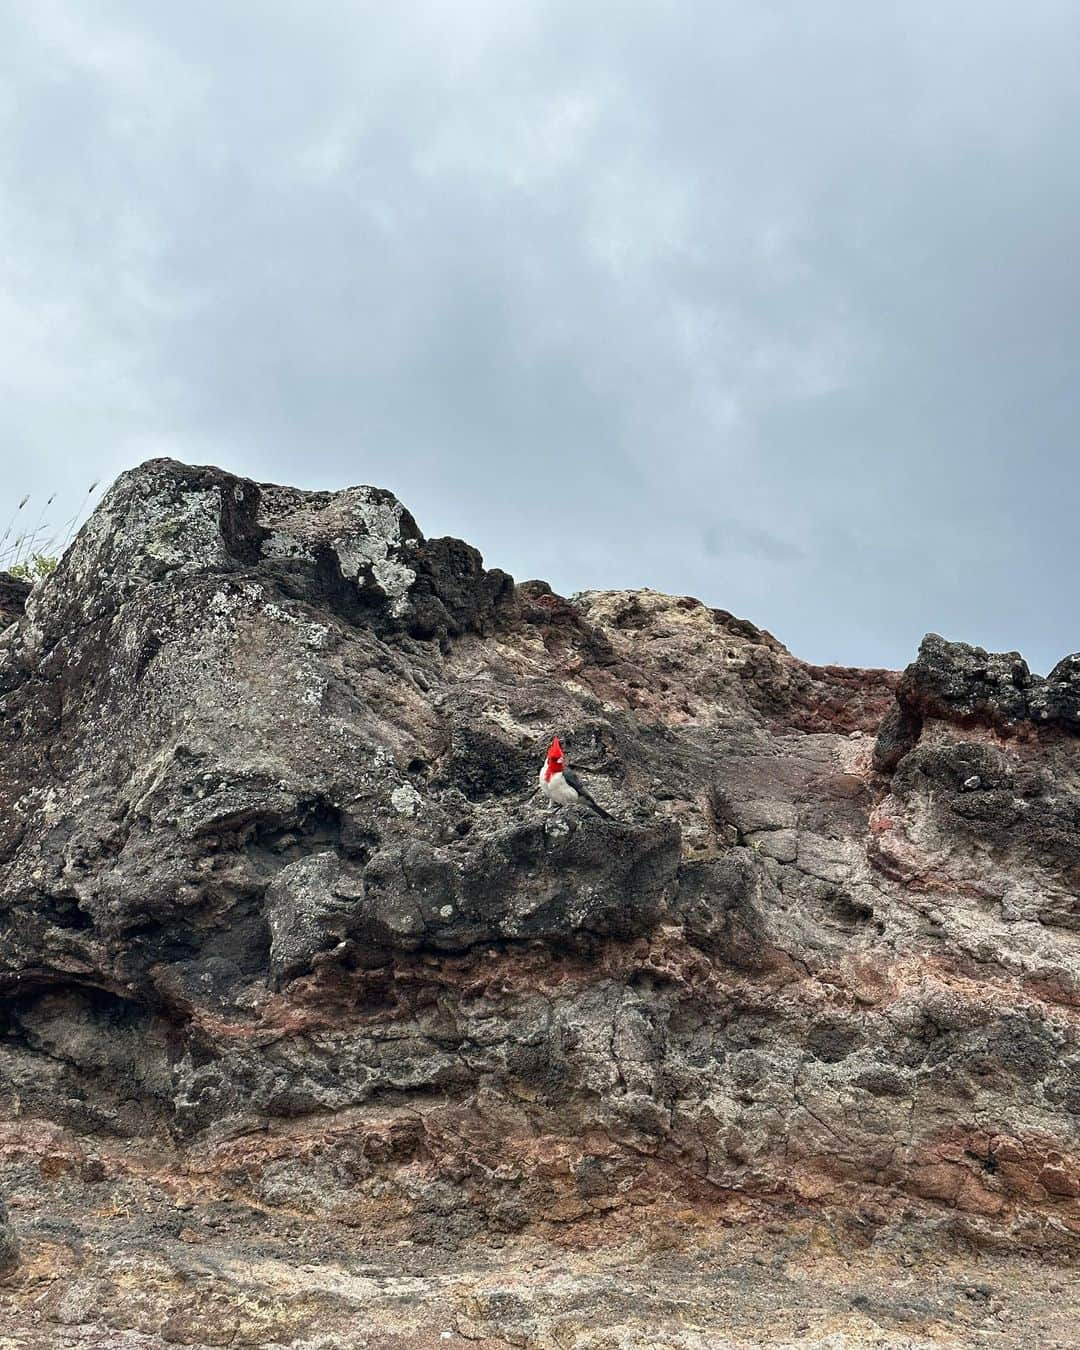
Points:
x=596 y=806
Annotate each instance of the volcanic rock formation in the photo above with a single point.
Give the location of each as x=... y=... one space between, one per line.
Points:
x=297 y=969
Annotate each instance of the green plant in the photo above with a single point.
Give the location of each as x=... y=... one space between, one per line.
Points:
x=37 y=565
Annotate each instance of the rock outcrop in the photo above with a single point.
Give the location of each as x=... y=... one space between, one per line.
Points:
x=296 y=969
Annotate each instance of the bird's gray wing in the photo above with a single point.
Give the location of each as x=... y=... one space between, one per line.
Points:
x=583 y=792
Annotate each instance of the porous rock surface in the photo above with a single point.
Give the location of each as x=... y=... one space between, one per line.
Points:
x=13 y=593
x=320 y=1029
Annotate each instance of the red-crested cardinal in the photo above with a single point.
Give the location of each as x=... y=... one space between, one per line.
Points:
x=561 y=786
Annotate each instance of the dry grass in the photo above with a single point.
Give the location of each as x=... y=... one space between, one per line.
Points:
x=33 y=549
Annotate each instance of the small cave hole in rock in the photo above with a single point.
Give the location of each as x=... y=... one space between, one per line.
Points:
x=64 y=912
x=848 y=909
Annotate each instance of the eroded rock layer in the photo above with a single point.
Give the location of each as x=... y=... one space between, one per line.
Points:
x=287 y=936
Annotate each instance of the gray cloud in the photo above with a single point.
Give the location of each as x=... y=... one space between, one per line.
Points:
x=590 y=289
x=735 y=538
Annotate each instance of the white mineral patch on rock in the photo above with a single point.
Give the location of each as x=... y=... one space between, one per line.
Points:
x=406 y=800
x=284 y=546
x=363 y=528
x=373 y=542
x=315 y=635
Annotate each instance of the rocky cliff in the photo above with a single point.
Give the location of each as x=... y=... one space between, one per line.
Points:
x=320 y=1028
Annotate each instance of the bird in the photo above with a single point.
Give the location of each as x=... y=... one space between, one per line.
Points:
x=561 y=786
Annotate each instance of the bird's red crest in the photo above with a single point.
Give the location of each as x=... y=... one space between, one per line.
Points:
x=555 y=753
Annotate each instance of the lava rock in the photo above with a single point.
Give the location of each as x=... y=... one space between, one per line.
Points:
x=898 y=734
x=560 y=882
x=956 y=681
x=955 y=767
x=310 y=908
x=9 y=1242
x=1058 y=699
x=13 y=596
x=482 y=765
x=721 y=906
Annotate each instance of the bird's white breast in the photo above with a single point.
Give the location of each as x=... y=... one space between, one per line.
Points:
x=557 y=789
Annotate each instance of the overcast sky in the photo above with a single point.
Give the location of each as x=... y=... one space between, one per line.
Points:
x=776 y=304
